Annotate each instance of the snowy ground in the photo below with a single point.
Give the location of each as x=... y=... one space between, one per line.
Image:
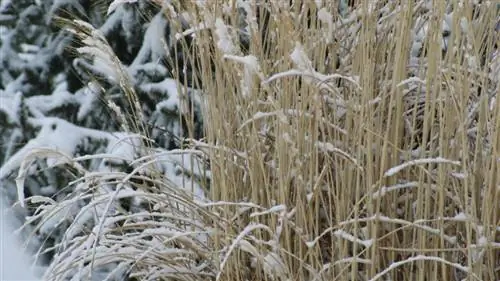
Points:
x=14 y=264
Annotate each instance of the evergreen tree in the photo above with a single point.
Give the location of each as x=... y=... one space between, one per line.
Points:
x=84 y=89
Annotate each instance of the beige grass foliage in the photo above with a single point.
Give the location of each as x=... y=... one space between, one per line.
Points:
x=315 y=154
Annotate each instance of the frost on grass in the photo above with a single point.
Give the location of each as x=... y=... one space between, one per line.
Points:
x=251 y=68
x=105 y=199
x=108 y=202
x=392 y=171
x=225 y=40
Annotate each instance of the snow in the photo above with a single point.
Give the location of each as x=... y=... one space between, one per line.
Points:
x=87 y=98
x=347 y=236
x=384 y=189
x=112 y=7
x=326 y=17
x=57 y=216
x=10 y=104
x=439 y=160
x=167 y=87
x=309 y=74
x=4 y=4
x=459 y=175
x=43 y=104
x=421 y=31
x=300 y=58
x=171 y=173
x=103 y=62
x=394 y=265
x=274 y=209
x=14 y=263
x=461 y=217
x=224 y=42
x=246 y=231
x=50 y=137
x=63 y=137
x=411 y=80
x=56 y=142
x=251 y=68
x=113 y=21
x=273 y=265
x=153 y=46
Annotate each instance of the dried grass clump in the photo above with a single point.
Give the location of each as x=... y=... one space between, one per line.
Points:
x=361 y=146
x=380 y=164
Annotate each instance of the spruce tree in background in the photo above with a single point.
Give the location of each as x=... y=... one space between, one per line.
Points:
x=53 y=96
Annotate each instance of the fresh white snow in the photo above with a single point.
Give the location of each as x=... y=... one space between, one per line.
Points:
x=112 y=7
x=14 y=262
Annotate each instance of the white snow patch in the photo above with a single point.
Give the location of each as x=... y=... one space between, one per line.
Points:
x=10 y=104
x=224 y=42
x=167 y=86
x=274 y=266
x=438 y=160
x=87 y=98
x=384 y=189
x=153 y=46
x=117 y=3
x=251 y=67
x=325 y=17
x=347 y=236
x=14 y=263
x=461 y=217
x=56 y=143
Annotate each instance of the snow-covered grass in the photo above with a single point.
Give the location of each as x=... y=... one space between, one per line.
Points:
x=161 y=219
x=369 y=163
x=383 y=168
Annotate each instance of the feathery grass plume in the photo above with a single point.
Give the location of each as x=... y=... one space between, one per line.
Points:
x=95 y=46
